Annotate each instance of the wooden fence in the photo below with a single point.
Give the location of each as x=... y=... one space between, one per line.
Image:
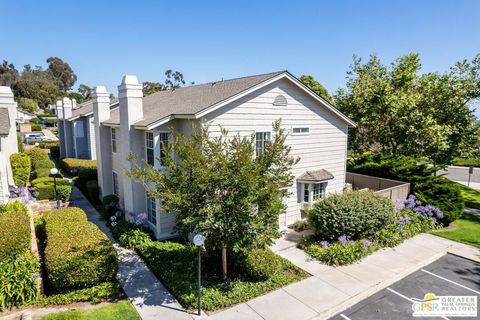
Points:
x=388 y=188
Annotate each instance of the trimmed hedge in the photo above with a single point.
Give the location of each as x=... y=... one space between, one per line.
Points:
x=36 y=127
x=20 y=163
x=15 y=234
x=356 y=214
x=43 y=164
x=42 y=173
x=261 y=264
x=72 y=166
x=92 y=190
x=84 y=176
x=36 y=155
x=78 y=254
x=46 y=188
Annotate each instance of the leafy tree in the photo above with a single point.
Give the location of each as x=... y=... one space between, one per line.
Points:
x=400 y=111
x=27 y=104
x=43 y=91
x=173 y=80
x=62 y=73
x=217 y=187
x=316 y=87
x=77 y=96
x=85 y=91
x=8 y=74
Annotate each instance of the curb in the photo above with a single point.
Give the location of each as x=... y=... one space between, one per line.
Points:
x=376 y=288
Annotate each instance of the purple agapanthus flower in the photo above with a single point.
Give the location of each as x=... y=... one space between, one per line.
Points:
x=343 y=239
x=366 y=244
x=324 y=244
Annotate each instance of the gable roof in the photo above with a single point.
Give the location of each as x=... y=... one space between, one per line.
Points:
x=198 y=100
x=85 y=109
x=4 y=122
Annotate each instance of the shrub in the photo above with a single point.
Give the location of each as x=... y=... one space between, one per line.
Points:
x=20 y=144
x=15 y=234
x=43 y=164
x=356 y=213
x=36 y=127
x=42 y=173
x=78 y=254
x=95 y=294
x=55 y=152
x=110 y=203
x=92 y=191
x=17 y=285
x=84 y=176
x=300 y=225
x=133 y=238
x=469 y=162
x=111 y=198
x=339 y=253
x=45 y=188
x=443 y=194
x=261 y=264
x=72 y=166
x=36 y=155
x=20 y=163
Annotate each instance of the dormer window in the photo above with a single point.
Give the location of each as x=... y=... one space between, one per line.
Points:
x=280 y=100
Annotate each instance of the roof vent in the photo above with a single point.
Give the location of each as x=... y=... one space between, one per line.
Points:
x=280 y=101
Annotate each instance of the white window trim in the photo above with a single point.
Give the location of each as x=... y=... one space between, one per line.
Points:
x=300 y=133
x=146 y=146
x=310 y=191
x=147 y=199
x=262 y=131
x=160 y=145
x=111 y=139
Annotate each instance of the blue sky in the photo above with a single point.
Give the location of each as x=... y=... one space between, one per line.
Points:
x=208 y=40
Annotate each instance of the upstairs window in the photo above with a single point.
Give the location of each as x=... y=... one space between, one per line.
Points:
x=261 y=139
x=300 y=131
x=164 y=137
x=149 y=148
x=114 y=140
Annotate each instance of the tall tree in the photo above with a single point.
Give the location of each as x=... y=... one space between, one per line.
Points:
x=85 y=91
x=173 y=80
x=400 y=111
x=316 y=87
x=217 y=187
x=8 y=74
x=62 y=73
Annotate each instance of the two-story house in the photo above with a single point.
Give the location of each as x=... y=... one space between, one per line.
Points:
x=317 y=133
x=8 y=140
x=76 y=128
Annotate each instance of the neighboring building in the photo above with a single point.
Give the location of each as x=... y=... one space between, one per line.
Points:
x=317 y=134
x=76 y=129
x=8 y=140
x=24 y=116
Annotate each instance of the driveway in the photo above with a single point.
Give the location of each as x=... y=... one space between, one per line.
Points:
x=448 y=276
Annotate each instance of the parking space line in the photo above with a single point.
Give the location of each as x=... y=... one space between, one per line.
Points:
x=407 y=298
x=344 y=316
x=458 y=284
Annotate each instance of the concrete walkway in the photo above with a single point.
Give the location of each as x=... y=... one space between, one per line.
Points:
x=331 y=290
x=49 y=134
x=150 y=298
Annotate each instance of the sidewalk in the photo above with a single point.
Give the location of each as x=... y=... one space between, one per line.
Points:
x=333 y=289
x=148 y=295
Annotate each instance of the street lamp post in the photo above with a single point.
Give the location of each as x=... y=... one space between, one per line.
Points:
x=199 y=241
x=54 y=172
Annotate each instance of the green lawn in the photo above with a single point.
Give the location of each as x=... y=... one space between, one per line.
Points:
x=465 y=230
x=122 y=310
x=471 y=197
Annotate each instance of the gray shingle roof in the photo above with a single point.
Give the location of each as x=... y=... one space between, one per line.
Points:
x=316 y=175
x=86 y=108
x=190 y=100
x=4 y=122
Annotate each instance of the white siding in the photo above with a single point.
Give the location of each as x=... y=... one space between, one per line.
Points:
x=117 y=164
x=323 y=148
x=91 y=137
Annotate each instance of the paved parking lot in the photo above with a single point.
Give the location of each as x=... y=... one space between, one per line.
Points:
x=448 y=276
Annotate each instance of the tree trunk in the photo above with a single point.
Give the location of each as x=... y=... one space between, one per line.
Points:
x=224 y=262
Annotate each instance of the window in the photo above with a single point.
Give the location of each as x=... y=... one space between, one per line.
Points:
x=319 y=190
x=163 y=140
x=300 y=131
x=115 y=183
x=149 y=153
x=152 y=210
x=260 y=141
x=79 y=132
x=114 y=140
x=306 y=193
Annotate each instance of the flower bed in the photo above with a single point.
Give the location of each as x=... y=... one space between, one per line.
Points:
x=412 y=218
